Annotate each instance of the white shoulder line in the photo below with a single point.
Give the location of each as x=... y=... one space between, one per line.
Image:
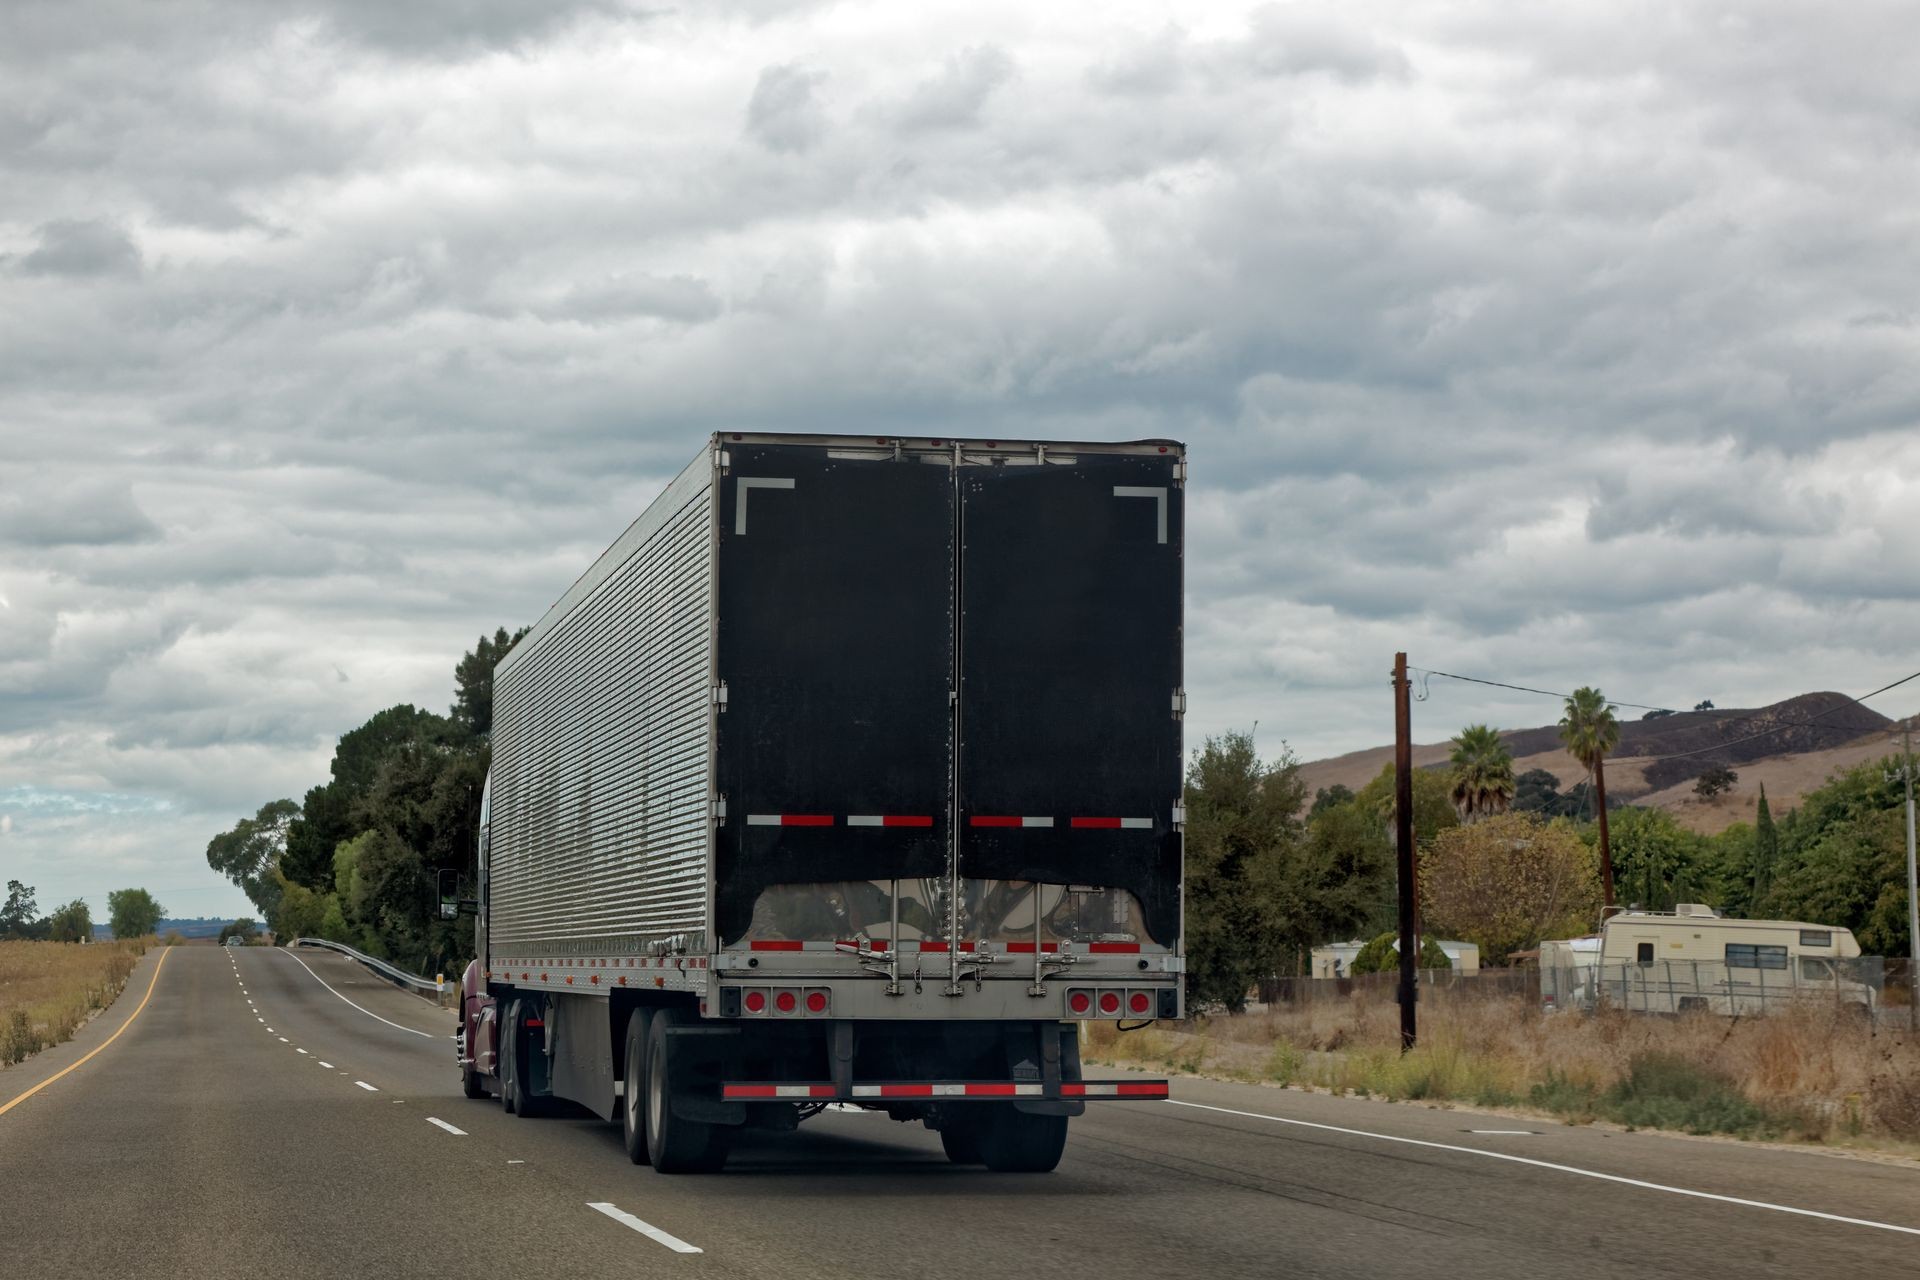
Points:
x=1559 y=1168
x=370 y=1013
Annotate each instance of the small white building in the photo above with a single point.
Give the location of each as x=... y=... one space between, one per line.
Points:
x=1335 y=959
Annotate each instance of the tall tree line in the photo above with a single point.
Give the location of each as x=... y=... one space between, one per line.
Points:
x=356 y=859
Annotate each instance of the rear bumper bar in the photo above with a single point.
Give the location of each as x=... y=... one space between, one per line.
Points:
x=947 y=1091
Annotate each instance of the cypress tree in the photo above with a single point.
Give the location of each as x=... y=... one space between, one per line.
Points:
x=1766 y=847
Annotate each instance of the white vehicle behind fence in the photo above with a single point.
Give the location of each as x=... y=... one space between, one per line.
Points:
x=1694 y=959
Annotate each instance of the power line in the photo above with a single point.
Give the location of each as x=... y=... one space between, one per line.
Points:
x=1810 y=722
x=1546 y=693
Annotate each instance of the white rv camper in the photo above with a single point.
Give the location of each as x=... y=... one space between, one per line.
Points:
x=1692 y=958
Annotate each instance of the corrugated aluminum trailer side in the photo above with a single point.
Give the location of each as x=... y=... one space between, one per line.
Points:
x=600 y=831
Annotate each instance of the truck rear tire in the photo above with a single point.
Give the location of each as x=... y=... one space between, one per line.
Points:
x=676 y=1145
x=1011 y=1141
x=633 y=1093
x=960 y=1139
x=470 y=1083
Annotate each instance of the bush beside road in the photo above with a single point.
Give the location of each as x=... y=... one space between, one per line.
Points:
x=48 y=990
x=1811 y=1074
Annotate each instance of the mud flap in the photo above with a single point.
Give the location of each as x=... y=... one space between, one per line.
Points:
x=1050 y=1053
x=705 y=1049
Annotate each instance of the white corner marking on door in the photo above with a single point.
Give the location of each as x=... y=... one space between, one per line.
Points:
x=745 y=483
x=1140 y=491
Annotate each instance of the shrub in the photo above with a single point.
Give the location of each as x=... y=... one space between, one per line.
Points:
x=1382 y=955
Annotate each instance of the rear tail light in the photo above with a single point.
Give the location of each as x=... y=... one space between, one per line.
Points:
x=756 y=1002
x=816 y=1002
x=1109 y=1002
x=1140 y=1004
x=785 y=1002
x=1080 y=1003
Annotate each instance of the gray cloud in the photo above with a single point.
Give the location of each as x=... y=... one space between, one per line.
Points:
x=82 y=248
x=1526 y=342
x=785 y=113
x=954 y=98
x=68 y=511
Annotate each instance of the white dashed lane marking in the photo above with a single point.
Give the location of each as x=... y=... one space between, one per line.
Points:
x=442 y=1124
x=364 y=1085
x=646 y=1229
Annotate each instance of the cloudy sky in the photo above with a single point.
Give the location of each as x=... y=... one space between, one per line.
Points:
x=1562 y=344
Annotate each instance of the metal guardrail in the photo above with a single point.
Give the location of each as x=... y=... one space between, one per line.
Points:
x=380 y=967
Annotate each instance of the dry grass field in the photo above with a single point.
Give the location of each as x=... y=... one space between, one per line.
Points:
x=1809 y=1074
x=48 y=989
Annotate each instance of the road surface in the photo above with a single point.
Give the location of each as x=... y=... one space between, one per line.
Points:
x=274 y=1113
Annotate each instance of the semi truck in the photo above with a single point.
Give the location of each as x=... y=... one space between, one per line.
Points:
x=849 y=775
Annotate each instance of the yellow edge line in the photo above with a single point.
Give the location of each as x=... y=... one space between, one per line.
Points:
x=103 y=1044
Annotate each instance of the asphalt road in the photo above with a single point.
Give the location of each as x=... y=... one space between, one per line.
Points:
x=250 y=1121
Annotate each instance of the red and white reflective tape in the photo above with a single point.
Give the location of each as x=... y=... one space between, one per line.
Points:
x=789 y=819
x=1146 y=1090
x=1004 y=820
x=743 y=1092
x=1115 y=1089
x=1111 y=824
x=890 y=820
x=926 y=945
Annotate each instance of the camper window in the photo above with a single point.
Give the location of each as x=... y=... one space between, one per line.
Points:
x=1816 y=937
x=1746 y=955
x=1814 y=969
x=1644 y=953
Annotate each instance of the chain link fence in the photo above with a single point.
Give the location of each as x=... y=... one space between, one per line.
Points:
x=1878 y=987
x=1711 y=986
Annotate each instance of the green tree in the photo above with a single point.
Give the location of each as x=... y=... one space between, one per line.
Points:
x=133 y=913
x=1842 y=859
x=299 y=913
x=1328 y=797
x=1766 y=850
x=1433 y=810
x=1659 y=863
x=1351 y=877
x=473 y=682
x=1713 y=780
x=1538 y=791
x=1506 y=883
x=250 y=853
x=243 y=928
x=71 y=923
x=18 y=916
x=1590 y=732
x=1243 y=822
x=1483 y=782
x=1382 y=955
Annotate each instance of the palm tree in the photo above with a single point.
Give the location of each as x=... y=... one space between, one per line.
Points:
x=1483 y=782
x=1589 y=731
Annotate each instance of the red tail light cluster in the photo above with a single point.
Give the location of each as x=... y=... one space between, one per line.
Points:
x=1111 y=1002
x=786 y=1002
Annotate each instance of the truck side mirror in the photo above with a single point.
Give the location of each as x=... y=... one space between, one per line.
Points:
x=451 y=903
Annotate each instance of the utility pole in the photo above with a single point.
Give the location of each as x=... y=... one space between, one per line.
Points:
x=1403 y=842
x=1913 y=885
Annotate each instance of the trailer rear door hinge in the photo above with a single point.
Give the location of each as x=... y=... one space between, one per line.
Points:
x=1179 y=703
x=1180 y=473
x=1179 y=816
x=720 y=809
x=721 y=459
x=720 y=695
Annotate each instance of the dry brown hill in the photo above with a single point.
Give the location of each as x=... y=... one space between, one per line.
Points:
x=1792 y=747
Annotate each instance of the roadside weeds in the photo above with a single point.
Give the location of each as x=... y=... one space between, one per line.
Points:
x=1805 y=1076
x=49 y=990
